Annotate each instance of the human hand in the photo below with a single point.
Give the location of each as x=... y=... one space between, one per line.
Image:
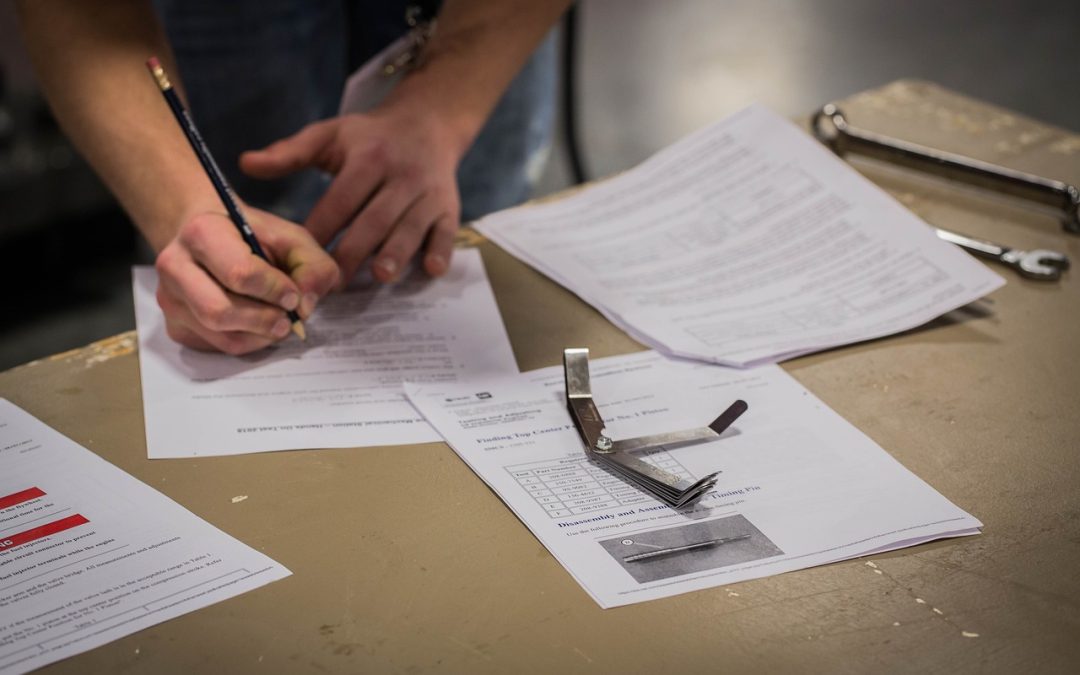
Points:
x=394 y=187
x=217 y=295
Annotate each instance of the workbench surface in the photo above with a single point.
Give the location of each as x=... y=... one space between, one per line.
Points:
x=983 y=404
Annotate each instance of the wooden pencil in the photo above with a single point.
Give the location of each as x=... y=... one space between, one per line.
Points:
x=221 y=185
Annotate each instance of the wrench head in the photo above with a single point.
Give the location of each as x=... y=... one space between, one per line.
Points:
x=1042 y=264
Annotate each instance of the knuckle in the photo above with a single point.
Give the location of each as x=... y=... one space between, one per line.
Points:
x=336 y=206
x=175 y=334
x=165 y=301
x=325 y=268
x=379 y=217
x=448 y=203
x=376 y=152
x=348 y=270
x=323 y=276
x=410 y=234
x=414 y=175
x=184 y=336
x=448 y=224
x=197 y=229
x=399 y=249
x=240 y=274
x=213 y=314
x=235 y=345
x=453 y=202
x=166 y=261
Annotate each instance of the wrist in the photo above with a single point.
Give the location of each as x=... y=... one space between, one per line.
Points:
x=418 y=100
x=165 y=225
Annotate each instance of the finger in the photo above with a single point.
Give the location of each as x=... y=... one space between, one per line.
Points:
x=187 y=290
x=369 y=228
x=313 y=271
x=174 y=326
x=406 y=237
x=234 y=344
x=348 y=193
x=182 y=328
x=440 y=245
x=215 y=246
x=187 y=337
x=311 y=146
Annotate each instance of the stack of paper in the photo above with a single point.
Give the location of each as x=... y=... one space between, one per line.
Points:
x=746 y=242
x=799 y=485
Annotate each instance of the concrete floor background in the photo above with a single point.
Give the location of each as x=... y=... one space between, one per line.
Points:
x=651 y=72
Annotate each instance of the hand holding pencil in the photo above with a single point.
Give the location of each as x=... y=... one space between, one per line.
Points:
x=235 y=279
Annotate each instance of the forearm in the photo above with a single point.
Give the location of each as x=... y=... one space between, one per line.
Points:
x=89 y=57
x=477 y=49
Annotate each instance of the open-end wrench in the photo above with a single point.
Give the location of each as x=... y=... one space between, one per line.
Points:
x=831 y=128
x=1037 y=264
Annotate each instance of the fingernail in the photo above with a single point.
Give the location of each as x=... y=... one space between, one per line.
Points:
x=436 y=265
x=281 y=328
x=389 y=267
x=307 y=306
x=290 y=300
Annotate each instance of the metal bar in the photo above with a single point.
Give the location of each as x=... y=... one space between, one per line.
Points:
x=845 y=138
x=647 y=555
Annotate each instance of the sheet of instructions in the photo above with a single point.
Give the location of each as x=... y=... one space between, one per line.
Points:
x=341 y=387
x=746 y=242
x=799 y=485
x=89 y=554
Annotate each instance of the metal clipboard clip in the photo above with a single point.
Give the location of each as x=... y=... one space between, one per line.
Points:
x=615 y=455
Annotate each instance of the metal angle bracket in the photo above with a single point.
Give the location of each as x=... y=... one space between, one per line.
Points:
x=615 y=455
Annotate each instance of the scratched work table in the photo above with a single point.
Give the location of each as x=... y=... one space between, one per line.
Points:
x=403 y=561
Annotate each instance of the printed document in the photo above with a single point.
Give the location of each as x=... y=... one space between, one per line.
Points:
x=340 y=388
x=799 y=485
x=746 y=242
x=89 y=554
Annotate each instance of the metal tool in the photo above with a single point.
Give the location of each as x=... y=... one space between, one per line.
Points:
x=1037 y=264
x=843 y=138
x=615 y=455
x=649 y=555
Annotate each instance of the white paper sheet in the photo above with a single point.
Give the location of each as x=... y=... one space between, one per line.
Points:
x=746 y=242
x=341 y=388
x=89 y=554
x=807 y=487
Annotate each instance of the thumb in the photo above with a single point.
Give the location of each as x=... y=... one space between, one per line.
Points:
x=299 y=151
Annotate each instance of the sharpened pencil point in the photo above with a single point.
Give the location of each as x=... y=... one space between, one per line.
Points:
x=298 y=328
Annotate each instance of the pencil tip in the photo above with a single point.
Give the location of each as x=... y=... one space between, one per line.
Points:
x=298 y=328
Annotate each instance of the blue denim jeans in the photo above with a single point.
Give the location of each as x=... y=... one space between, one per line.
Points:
x=256 y=71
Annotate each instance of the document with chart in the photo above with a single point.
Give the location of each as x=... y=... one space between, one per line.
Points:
x=340 y=388
x=89 y=554
x=799 y=485
x=746 y=242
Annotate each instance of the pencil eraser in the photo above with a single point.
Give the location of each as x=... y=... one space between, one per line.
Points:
x=153 y=62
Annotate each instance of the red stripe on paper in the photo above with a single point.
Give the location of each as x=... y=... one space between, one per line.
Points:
x=42 y=531
x=20 y=497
